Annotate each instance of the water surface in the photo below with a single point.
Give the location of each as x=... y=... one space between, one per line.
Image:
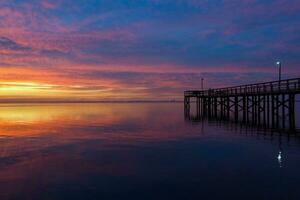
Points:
x=139 y=151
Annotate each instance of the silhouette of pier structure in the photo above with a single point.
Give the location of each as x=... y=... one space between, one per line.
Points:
x=268 y=104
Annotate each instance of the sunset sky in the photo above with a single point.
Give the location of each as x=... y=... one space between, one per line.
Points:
x=142 y=49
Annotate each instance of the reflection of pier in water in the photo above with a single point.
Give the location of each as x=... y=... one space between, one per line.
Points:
x=276 y=137
x=268 y=105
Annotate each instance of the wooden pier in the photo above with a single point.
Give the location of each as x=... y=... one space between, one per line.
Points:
x=270 y=104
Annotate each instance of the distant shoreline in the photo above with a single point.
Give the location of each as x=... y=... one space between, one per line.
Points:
x=84 y=102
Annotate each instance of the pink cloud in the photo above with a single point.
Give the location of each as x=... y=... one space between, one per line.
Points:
x=49 y=4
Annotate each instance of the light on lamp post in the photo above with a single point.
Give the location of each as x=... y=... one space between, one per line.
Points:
x=278 y=63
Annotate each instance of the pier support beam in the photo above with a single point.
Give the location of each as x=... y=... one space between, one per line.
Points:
x=236 y=108
x=292 y=125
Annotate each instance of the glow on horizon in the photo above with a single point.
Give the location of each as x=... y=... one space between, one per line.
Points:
x=34 y=89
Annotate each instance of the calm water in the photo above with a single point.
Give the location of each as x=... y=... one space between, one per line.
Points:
x=139 y=151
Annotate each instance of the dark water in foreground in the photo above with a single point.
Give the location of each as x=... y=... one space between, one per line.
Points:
x=139 y=151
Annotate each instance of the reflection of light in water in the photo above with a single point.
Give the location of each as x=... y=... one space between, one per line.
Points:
x=279 y=158
x=42 y=113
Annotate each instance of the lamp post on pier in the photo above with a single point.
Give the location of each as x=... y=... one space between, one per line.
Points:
x=278 y=63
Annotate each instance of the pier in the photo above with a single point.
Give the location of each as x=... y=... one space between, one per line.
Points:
x=268 y=104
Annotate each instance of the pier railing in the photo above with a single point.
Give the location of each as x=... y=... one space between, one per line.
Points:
x=273 y=87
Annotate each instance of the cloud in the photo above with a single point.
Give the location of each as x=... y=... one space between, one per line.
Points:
x=214 y=33
x=7 y=44
x=49 y=4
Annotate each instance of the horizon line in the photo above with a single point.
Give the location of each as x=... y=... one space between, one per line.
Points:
x=98 y=101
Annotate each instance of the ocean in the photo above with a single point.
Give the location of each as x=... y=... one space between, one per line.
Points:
x=140 y=151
